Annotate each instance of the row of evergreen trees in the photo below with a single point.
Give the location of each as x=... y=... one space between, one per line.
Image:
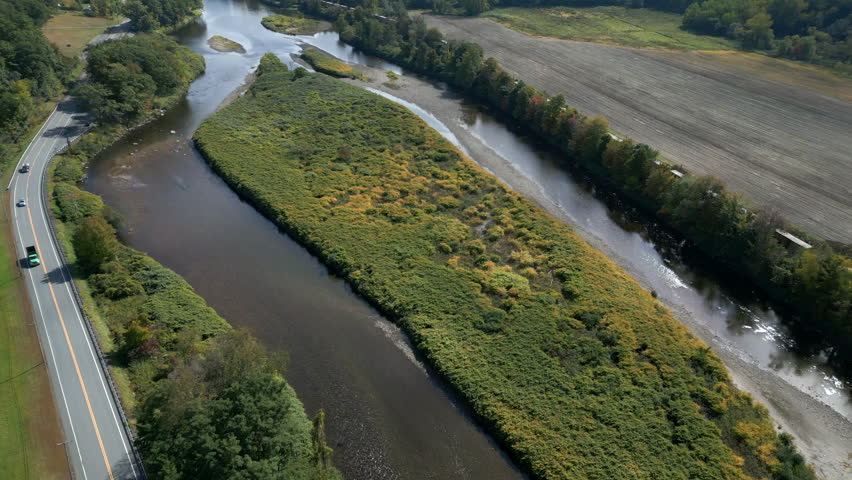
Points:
x=816 y=284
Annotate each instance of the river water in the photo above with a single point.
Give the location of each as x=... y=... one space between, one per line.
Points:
x=388 y=417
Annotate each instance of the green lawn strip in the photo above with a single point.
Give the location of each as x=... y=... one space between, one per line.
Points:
x=569 y=363
x=325 y=63
x=632 y=27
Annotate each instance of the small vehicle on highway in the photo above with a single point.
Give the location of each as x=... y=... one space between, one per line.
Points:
x=25 y=168
x=32 y=256
x=22 y=203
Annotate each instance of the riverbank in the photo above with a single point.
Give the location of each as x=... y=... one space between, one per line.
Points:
x=823 y=435
x=170 y=354
x=524 y=287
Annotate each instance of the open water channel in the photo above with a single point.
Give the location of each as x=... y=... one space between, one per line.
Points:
x=388 y=416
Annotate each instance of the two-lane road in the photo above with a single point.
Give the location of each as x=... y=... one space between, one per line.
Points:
x=96 y=441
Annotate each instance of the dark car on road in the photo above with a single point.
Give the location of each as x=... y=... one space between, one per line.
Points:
x=25 y=168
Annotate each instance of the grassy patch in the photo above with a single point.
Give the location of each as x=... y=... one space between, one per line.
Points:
x=572 y=366
x=72 y=31
x=291 y=25
x=632 y=27
x=325 y=63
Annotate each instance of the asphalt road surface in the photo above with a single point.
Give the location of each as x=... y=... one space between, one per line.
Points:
x=96 y=441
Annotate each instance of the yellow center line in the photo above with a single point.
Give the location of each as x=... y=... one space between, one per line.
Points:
x=70 y=348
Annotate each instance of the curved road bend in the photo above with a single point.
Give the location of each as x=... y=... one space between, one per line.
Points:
x=97 y=444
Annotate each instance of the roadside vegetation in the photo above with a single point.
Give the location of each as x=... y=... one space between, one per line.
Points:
x=814 y=284
x=32 y=75
x=325 y=63
x=632 y=27
x=31 y=70
x=207 y=401
x=291 y=24
x=816 y=31
x=570 y=364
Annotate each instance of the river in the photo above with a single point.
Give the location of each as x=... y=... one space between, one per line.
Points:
x=388 y=416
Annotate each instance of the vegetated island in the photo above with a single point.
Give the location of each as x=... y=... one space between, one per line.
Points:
x=222 y=44
x=196 y=390
x=325 y=63
x=814 y=284
x=292 y=25
x=568 y=362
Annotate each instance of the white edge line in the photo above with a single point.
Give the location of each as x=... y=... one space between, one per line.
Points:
x=52 y=354
x=37 y=135
x=67 y=277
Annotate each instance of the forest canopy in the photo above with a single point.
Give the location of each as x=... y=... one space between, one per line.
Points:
x=31 y=69
x=148 y=15
x=130 y=74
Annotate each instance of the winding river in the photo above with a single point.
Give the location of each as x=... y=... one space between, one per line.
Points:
x=388 y=416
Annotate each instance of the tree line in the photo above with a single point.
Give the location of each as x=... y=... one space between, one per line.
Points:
x=813 y=31
x=815 y=284
x=31 y=69
x=149 y=15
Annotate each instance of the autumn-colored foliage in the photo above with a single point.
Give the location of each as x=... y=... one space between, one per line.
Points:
x=574 y=368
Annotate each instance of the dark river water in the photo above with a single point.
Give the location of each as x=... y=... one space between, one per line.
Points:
x=388 y=417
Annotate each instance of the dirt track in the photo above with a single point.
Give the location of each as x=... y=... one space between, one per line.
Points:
x=784 y=147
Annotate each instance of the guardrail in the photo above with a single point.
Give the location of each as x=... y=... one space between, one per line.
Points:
x=137 y=457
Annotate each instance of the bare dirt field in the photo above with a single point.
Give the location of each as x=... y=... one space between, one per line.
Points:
x=785 y=147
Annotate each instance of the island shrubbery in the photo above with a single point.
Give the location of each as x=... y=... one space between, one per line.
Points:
x=325 y=63
x=815 y=284
x=573 y=367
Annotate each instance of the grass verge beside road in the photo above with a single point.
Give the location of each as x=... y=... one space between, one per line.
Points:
x=29 y=427
x=632 y=27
